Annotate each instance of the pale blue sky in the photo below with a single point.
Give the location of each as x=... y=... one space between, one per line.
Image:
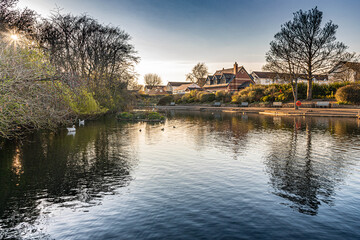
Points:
x=171 y=36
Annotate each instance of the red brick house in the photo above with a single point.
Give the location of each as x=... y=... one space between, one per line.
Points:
x=230 y=79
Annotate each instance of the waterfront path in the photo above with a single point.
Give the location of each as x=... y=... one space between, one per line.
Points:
x=315 y=112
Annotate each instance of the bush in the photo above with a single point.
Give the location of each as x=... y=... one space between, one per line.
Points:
x=267 y=99
x=327 y=90
x=206 y=97
x=219 y=95
x=125 y=115
x=249 y=94
x=166 y=100
x=155 y=115
x=349 y=94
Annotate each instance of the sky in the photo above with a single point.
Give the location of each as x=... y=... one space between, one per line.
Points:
x=171 y=36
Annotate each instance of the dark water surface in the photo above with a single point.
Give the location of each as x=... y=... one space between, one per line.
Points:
x=213 y=176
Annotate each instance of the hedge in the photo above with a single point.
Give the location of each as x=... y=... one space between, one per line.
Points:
x=256 y=93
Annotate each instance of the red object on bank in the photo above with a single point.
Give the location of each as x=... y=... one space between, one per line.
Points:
x=298 y=103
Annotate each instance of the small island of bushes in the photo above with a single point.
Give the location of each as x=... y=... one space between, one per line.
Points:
x=141 y=116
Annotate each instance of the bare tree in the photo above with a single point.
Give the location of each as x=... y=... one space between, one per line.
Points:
x=317 y=50
x=151 y=80
x=280 y=59
x=12 y=19
x=99 y=55
x=198 y=74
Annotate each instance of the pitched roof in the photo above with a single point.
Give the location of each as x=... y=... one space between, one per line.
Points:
x=272 y=75
x=156 y=86
x=351 y=65
x=227 y=70
x=320 y=77
x=182 y=87
x=177 y=84
x=188 y=86
x=228 y=77
x=216 y=85
x=157 y=91
x=265 y=74
x=194 y=86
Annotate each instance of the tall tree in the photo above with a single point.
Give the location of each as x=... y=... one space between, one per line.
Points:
x=100 y=56
x=280 y=59
x=198 y=74
x=317 y=50
x=151 y=80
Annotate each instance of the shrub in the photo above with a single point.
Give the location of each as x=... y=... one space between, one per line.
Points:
x=235 y=98
x=251 y=94
x=166 y=100
x=271 y=90
x=206 y=97
x=219 y=95
x=154 y=115
x=327 y=90
x=267 y=99
x=348 y=94
x=125 y=115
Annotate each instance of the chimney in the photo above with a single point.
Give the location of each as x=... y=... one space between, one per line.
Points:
x=235 y=68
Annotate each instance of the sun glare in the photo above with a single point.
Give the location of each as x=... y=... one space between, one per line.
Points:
x=14 y=37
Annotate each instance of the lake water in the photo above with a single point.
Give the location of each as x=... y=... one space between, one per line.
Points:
x=205 y=176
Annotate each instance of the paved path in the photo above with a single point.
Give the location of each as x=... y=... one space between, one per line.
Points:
x=316 y=112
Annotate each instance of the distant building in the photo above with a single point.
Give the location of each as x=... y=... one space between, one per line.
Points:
x=155 y=90
x=345 y=72
x=171 y=86
x=267 y=78
x=185 y=88
x=230 y=79
x=319 y=79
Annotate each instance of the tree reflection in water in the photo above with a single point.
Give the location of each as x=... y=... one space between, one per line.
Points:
x=305 y=159
x=304 y=176
x=52 y=171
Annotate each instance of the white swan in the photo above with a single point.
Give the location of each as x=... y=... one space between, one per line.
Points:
x=81 y=122
x=72 y=129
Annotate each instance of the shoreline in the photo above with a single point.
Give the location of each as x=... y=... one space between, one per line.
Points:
x=305 y=112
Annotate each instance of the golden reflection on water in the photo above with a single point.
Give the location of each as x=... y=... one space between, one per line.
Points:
x=17 y=166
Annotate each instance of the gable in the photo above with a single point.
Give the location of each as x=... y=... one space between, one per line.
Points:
x=243 y=75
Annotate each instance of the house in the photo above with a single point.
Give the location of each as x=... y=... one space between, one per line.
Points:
x=345 y=72
x=317 y=78
x=171 y=86
x=267 y=78
x=230 y=79
x=156 y=90
x=185 y=88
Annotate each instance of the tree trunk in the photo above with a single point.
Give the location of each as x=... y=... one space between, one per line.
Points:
x=294 y=88
x=296 y=96
x=309 y=90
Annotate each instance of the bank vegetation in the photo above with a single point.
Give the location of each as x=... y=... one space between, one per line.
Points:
x=57 y=69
